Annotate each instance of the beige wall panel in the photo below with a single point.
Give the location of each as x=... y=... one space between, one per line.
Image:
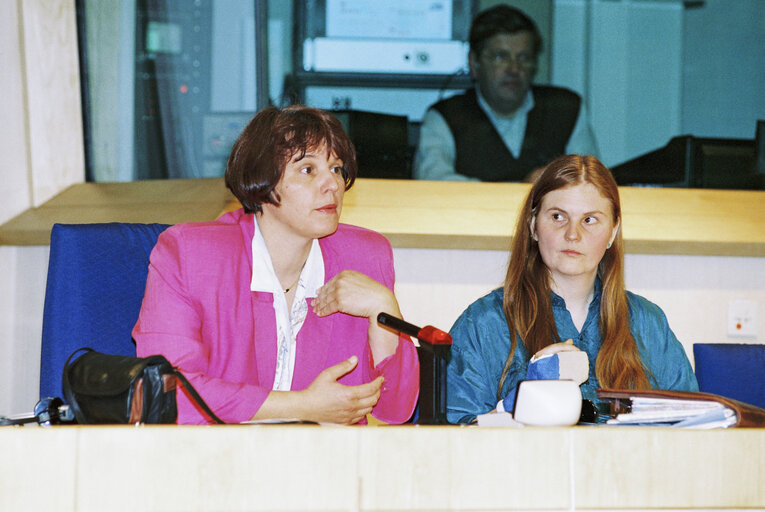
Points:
x=14 y=163
x=53 y=96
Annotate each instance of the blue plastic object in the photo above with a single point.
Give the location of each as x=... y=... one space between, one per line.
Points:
x=733 y=370
x=96 y=280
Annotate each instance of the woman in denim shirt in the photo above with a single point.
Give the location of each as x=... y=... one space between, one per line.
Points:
x=565 y=281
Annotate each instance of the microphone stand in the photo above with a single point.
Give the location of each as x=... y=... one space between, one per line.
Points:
x=432 y=352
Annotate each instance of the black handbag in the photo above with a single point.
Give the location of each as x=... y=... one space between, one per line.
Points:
x=103 y=388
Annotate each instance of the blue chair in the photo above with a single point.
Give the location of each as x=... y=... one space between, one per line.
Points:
x=733 y=370
x=96 y=280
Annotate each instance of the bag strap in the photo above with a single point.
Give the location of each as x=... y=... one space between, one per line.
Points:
x=67 y=387
x=196 y=398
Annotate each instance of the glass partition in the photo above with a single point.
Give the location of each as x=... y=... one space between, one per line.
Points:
x=168 y=85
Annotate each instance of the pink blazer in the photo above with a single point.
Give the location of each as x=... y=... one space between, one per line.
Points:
x=199 y=312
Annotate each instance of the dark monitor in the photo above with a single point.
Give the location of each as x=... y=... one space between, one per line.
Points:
x=694 y=162
x=381 y=141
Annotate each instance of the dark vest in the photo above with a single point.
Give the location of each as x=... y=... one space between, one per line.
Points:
x=480 y=151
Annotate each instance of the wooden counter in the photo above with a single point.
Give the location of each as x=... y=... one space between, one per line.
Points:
x=483 y=215
x=275 y=467
x=426 y=214
x=163 y=201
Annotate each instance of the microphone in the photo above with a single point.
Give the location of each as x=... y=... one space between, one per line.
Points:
x=431 y=353
x=428 y=334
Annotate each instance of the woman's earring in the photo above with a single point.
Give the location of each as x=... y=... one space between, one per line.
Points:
x=609 y=245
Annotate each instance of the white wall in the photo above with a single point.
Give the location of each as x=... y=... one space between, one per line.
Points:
x=21 y=302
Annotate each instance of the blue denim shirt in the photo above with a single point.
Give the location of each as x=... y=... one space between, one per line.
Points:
x=481 y=343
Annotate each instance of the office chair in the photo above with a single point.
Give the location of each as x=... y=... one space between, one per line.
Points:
x=96 y=279
x=733 y=370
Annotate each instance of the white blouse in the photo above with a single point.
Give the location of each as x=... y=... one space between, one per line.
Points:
x=288 y=324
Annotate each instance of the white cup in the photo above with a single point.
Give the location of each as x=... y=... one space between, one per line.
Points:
x=548 y=403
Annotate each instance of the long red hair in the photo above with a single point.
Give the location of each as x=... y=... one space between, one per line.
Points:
x=527 y=292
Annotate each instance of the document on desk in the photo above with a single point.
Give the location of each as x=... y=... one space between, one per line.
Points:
x=679 y=409
x=675 y=413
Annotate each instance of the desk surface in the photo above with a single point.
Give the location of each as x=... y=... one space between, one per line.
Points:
x=425 y=214
x=282 y=467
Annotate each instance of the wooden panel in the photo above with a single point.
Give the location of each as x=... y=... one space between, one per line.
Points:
x=52 y=81
x=248 y=468
x=426 y=214
x=438 y=468
x=669 y=468
x=163 y=201
x=692 y=221
x=483 y=216
x=456 y=215
x=38 y=469
x=284 y=468
x=14 y=140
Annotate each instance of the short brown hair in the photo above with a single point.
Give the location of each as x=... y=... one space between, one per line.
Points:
x=268 y=142
x=502 y=19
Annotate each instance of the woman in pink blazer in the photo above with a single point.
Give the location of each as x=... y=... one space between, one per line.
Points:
x=270 y=311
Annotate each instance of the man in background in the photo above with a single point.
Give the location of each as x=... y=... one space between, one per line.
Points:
x=504 y=128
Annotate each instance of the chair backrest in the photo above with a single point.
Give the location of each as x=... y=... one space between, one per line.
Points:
x=733 y=370
x=96 y=280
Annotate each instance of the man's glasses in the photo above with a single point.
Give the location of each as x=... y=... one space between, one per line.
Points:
x=525 y=61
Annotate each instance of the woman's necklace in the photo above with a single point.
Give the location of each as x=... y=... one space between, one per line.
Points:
x=287 y=290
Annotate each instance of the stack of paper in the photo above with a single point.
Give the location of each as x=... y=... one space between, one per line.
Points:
x=676 y=413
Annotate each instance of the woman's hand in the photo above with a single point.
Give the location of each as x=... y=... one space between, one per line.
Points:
x=566 y=346
x=325 y=400
x=355 y=294
x=328 y=401
x=575 y=366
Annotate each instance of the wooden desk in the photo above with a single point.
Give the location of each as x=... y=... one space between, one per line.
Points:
x=454 y=215
x=252 y=468
x=163 y=201
x=425 y=214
